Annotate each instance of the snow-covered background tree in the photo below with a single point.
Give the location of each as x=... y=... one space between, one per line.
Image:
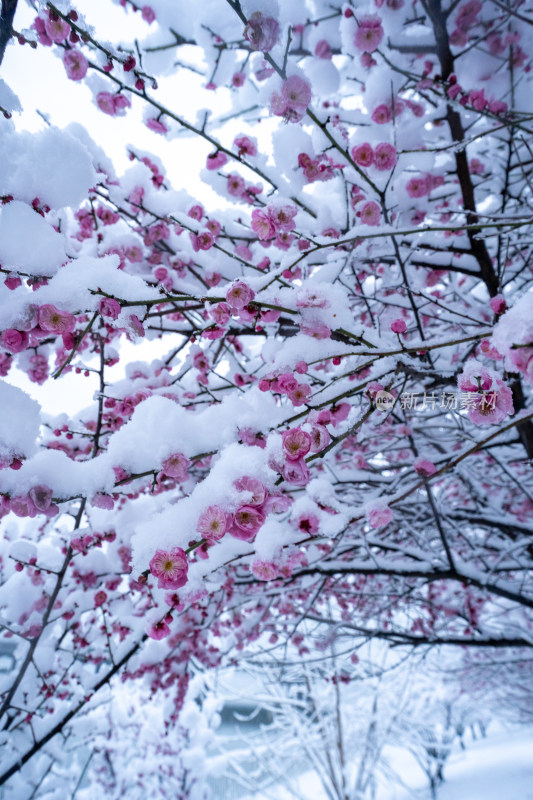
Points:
x=295 y=339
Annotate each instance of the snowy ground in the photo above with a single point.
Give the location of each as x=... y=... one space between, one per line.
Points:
x=499 y=767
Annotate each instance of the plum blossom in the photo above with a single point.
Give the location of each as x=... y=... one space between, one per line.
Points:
x=282 y=215
x=176 y=466
x=156 y=125
x=424 y=467
x=306 y=523
x=263 y=225
x=239 y=295
x=398 y=326
x=369 y=33
x=56 y=28
x=245 y=145
x=320 y=438
x=296 y=443
x=370 y=213
x=235 y=184
x=419 y=186
x=378 y=513
x=52 y=320
x=296 y=472
x=264 y=570
x=14 y=341
x=381 y=114
x=216 y=160
x=247 y=520
x=490 y=400
x=212 y=523
x=158 y=630
x=170 y=568
x=148 y=14
x=41 y=497
x=109 y=307
x=294 y=99
x=315 y=329
x=255 y=490
x=363 y=154
x=76 y=65
x=385 y=157
x=261 y=32
x=112 y=104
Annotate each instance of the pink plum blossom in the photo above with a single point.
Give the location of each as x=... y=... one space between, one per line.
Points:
x=247 y=520
x=239 y=295
x=320 y=438
x=296 y=443
x=306 y=523
x=294 y=99
x=282 y=215
x=264 y=570
x=158 y=630
x=14 y=341
x=216 y=160
x=245 y=145
x=418 y=186
x=176 y=466
x=76 y=65
x=296 y=472
x=255 y=490
x=424 y=467
x=398 y=326
x=300 y=394
x=315 y=329
x=112 y=104
x=109 y=307
x=385 y=157
x=363 y=154
x=148 y=14
x=170 y=568
x=41 y=497
x=156 y=125
x=212 y=523
x=263 y=225
x=235 y=185
x=382 y=114
x=261 y=32
x=56 y=29
x=370 y=213
x=490 y=400
x=369 y=33
x=53 y=320
x=379 y=515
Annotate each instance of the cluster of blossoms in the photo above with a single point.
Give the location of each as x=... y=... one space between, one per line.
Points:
x=237 y=187
x=37 y=501
x=490 y=399
x=112 y=104
x=40 y=322
x=276 y=220
x=513 y=335
x=204 y=240
x=287 y=384
x=475 y=98
x=383 y=157
x=423 y=185
x=321 y=168
x=292 y=102
x=384 y=112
